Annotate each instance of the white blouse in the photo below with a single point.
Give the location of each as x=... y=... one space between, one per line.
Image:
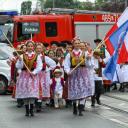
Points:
x=67 y=62
x=20 y=64
x=50 y=62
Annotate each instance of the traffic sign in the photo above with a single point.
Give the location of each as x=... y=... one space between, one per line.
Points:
x=30 y=27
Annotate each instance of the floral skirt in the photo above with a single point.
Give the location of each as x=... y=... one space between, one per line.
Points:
x=79 y=85
x=44 y=84
x=27 y=86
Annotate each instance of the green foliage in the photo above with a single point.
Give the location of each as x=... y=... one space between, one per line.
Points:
x=100 y=5
x=86 y=6
x=60 y=3
x=110 y=5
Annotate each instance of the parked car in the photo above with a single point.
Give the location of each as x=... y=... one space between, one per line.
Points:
x=6 y=52
x=7 y=49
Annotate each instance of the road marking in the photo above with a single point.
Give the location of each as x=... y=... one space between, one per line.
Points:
x=118 y=121
x=122 y=104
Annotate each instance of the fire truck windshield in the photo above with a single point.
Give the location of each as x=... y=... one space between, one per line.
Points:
x=26 y=29
x=7 y=29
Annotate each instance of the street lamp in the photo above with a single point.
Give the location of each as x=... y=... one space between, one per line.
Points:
x=116 y=6
x=126 y=3
x=53 y=3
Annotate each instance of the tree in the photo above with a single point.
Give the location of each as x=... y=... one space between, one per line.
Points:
x=110 y=5
x=60 y=3
x=100 y=5
x=86 y=6
x=26 y=7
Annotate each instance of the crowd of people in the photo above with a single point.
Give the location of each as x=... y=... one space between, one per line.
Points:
x=63 y=74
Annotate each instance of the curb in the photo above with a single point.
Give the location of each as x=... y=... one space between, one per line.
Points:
x=115 y=97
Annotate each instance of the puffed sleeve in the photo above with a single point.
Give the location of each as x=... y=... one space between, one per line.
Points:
x=89 y=62
x=38 y=66
x=67 y=64
x=50 y=62
x=19 y=63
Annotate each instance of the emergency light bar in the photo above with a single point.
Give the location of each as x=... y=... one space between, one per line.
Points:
x=10 y=13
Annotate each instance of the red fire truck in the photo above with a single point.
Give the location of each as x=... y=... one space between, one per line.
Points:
x=60 y=27
x=43 y=28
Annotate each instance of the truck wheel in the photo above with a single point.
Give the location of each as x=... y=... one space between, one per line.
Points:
x=3 y=85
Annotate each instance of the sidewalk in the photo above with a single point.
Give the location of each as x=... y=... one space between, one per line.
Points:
x=118 y=95
x=116 y=100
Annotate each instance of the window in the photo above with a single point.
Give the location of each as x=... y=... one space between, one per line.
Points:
x=8 y=31
x=20 y=35
x=3 y=55
x=51 y=29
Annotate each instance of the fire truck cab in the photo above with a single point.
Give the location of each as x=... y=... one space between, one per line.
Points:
x=43 y=28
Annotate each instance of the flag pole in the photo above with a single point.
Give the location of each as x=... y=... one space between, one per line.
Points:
x=77 y=66
x=16 y=51
x=31 y=36
x=99 y=45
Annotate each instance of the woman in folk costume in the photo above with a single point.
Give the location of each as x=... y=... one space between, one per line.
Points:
x=27 y=86
x=48 y=64
x=51 y=54
x=69 y=48
x=79 y=86
x=89 y=53
x=57 y=86
x=16 y=73
x=85 y=47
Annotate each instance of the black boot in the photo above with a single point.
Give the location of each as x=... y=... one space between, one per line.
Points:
x=80 y=108
x=84 y=106
x=105 y=88
x=74 y=108
x=20 y=103
x=98 y=99
x=51 y=102
x=27 y=110
x=108 y=88
x=120 y=88
x=115 y=86
x=39 y=106
x=93 y=101
x=123 y=88
x=68 y=103
x=31 y=110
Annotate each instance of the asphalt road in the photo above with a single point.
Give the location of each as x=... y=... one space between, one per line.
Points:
x=99 y=117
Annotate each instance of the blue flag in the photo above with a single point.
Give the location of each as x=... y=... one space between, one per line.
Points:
x=111 y=65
